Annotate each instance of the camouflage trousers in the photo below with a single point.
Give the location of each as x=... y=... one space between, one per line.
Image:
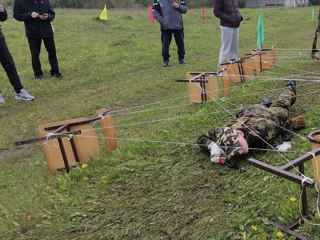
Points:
x=260 y=123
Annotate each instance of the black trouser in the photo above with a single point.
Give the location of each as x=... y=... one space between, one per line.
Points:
x=166 y=37
x=35 y=47
x=8 y=65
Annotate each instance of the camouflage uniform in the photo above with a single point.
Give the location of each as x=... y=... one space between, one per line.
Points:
x=259 y=123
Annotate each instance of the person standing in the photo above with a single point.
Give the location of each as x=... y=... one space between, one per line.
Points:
x=9 y=66
x=37 y=16
x=230 y=18
x=169 y=14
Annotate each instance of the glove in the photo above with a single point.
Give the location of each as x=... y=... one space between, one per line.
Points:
x=285 y=146
x=215 y=152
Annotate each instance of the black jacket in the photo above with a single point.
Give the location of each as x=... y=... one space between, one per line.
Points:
x=228 y=12
x=3 y=17
x=35 y=27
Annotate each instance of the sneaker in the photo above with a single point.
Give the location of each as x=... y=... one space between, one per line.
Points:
x=56 y=75
x=38 y=76
x=182 y=61
x=24 y=95
x=1 y=99
x=166 y=63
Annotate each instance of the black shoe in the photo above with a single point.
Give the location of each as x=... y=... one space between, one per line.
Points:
x=182 y=61
x=166 y=63
x=56 y=75
x=38 y=76
x=293 y=85
x=266 y=102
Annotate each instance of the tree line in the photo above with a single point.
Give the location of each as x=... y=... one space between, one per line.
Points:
x=127 y=3
x=112 y=3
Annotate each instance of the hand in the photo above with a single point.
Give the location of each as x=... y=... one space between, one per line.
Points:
x=215 y=152
x=34 y=15
x=285 y=146
x=175 y=4
x=1 y=8
x=44 y=16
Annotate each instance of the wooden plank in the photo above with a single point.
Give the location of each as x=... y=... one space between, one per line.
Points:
x=87 y=145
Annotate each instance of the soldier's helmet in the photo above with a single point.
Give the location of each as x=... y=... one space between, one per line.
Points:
x=227 y=139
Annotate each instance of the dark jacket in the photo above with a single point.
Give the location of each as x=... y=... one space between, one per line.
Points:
x=3 y=17
x=35 y=27
x=168 y=16
x=228 y=13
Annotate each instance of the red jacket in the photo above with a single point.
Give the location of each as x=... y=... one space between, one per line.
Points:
x=228 y=13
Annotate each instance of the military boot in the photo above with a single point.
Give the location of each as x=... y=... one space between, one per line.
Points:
x=293 y=85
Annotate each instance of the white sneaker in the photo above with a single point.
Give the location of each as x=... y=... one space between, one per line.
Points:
x=24 y=95
x=1 y=99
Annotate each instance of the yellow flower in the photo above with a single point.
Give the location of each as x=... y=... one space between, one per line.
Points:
x=293 y=199
x=29 y=217
x=47 y=188
x=317 y=215
x=85 y=179
x=254 y=228
x=83 y=166
x=279 y=234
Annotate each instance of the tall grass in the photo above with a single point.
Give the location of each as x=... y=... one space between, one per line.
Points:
x=144 y=190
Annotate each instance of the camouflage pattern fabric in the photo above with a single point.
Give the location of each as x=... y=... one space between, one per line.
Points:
x=259 y=123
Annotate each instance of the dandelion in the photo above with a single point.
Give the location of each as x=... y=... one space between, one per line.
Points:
x=254 y=228
x=83 y=166
x=279 y=234
x=29 y=217
x=293 y=199
x=85 y=179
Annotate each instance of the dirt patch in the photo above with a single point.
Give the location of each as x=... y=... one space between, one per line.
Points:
x=4 y=153
x=18 y=154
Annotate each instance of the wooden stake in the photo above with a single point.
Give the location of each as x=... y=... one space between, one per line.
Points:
x=315 y=140
x=108 y=130
x=233 y=70
x=202 y=87
x=79 y=149
x=226 y=83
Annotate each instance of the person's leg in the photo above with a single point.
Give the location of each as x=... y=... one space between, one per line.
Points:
x=179 y=39
x=234 y=43
x=52 y=55
x=288 y=96
x=226 y=36
x=9 y=66
x=280 y=108
x=166 y=36
x=35 y=47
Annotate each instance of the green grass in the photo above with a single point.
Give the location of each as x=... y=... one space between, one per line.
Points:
x=145 y=190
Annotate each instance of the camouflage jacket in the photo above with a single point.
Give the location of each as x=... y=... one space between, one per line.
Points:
x=261 y=124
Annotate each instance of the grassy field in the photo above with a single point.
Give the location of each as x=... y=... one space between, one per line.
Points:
x=157 y=184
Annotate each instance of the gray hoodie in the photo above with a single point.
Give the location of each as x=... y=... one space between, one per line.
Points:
x=168 y=16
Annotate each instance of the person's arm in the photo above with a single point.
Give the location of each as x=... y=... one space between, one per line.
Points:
x=20 y=14
x=51 y=13
x=156 y=9
x=286 y=135
x=181 y=7
x=218 y=11
x=3 y=14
